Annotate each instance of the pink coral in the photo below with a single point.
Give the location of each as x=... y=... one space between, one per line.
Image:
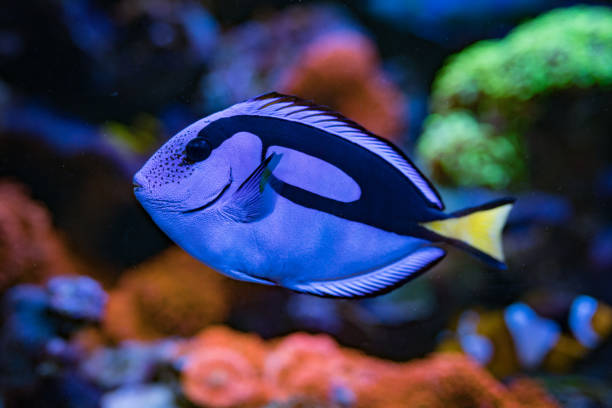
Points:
x=300 y=365
x=222 y=377
x=250 y=346
x=220 y=373
x=342 y=70
x=30 y=248
x=223 y=368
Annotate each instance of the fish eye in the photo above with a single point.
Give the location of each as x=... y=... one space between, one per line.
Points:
x=198 y=149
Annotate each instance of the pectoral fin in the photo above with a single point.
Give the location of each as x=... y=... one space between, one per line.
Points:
x=247 y=203
x=379 y=281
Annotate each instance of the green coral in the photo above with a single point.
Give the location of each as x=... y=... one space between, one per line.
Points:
x=497 y=80
x=462 y=151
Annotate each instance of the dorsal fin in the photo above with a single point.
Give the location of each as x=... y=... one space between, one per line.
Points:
x=294 y=109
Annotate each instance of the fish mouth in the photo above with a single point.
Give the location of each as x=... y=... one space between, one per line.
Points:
x=211 y=202
x=137 y=183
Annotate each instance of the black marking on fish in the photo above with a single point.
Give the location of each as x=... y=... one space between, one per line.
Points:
x=291 y=108
x=389 y=200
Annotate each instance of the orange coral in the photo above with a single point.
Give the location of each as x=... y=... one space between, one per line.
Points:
x=342 y=70
x=30 y=249
x=172 y=294
x=218 y=373
x=88 y=339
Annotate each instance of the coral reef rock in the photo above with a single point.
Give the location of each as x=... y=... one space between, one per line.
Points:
x=171 y=294
x=30 y=249
x=223 y=368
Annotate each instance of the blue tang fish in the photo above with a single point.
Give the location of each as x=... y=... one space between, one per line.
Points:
x=279 y=191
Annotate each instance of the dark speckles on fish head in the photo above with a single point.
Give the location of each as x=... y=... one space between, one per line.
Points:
x=169 y=164
x=185 y=171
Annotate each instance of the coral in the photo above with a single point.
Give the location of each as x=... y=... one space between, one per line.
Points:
x=77 y=297
x=452 y=380
x=342 y=70
x=315 y=52
x=498 y=81
x=130 y=363
x=30 y=249
x=251 y=58
x=530 y=394
x=223 y=368
x=150 y=396
x=298 y=403
x=222 y=377
x=249 y=345
x=33 y=334
x=172 y=294
x=462 y=151
x=313 y=370
x=88 y=340
x=300 y=365
x=560 y=49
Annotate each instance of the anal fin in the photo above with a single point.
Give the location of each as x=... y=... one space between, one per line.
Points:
x=379 y=281
x=245 y=277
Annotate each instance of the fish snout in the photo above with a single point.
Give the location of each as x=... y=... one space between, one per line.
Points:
x=138 y=183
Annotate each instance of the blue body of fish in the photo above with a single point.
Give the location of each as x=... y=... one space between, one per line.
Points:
x=279 y=191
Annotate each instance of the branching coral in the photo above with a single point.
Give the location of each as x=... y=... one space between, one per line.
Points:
x=217 y=372
x=496 y=82
x=172 y=294
x=342 y=70
x=30 y=249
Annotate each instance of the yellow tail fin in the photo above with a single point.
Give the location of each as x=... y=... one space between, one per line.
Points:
x=480 y=228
